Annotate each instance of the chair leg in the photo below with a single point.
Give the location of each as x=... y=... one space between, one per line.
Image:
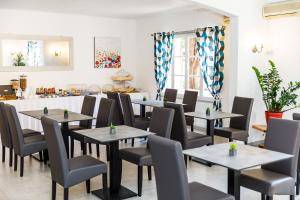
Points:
x=297 y=183
x=41 y=156
x=3 y=153
x=185 y=160
x=16 y=162
x=263 y=197
x=104 y=185
x=10 y=156
x=107 y=153
x=292 y=197
x=192 y=127
x=230 y=140
x=269 y=197
x=72 y=148
x=88 y=186
x=53 y=190
x=149 y=173
x=98 y=150
x=132 y=142
x=84 y=148
x=125 y=141
x=140 y=180
x=190 y=158
x=90 y=148
x=66 y=193
x=21 y=166
x=45 y=156
x=246 y=142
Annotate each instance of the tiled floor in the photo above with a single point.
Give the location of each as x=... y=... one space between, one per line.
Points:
x=36 y=183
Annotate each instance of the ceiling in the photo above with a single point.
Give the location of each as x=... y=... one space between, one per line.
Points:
x=107 y=8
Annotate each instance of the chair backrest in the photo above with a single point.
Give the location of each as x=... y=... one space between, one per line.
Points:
x=179 y=130
x=56 y=150
x=105 y=112
x=88 y=107
x=128 y=114
x=170 y=95
x=169 y=168
x=296 y=116
x=190 y=99
x=118 y=112
x=243 y=106
x=161 y=121
x=283 y=136
x=15 y=129
x=4 y=127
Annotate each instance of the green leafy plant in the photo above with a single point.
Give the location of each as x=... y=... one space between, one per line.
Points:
x=19 y=59
x=233 y=146
x=112 y=126
x=275 y=96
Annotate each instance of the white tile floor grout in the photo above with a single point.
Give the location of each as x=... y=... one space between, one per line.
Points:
x=36 y=183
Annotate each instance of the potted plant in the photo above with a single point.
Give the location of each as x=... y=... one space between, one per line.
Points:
x=207 y=111
x=278 y=99
x=233 y=149
x=112 y=129
x=66 y=114
x=144 y=98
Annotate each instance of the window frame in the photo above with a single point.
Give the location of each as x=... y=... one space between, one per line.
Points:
x=186 y=76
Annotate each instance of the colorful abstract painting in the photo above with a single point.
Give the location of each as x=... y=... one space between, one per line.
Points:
x=107 y=52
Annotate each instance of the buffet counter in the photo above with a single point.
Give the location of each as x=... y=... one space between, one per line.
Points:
x=71 y=103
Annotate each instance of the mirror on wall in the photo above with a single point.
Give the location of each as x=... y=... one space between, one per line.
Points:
x=35 y=53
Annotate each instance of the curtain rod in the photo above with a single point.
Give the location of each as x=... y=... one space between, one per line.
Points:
x=189 y=32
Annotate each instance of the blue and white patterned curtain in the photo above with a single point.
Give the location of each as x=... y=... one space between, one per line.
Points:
x=210 y=46
x=163 y=48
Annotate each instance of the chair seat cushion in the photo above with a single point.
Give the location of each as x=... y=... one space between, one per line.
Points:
x=141 y=123
x=189 y=120
x=33 y=144
x=195 y=140
x=139 y=155
x=233 y=133
x=203 y=192
x=83 y=168
x=30 y=132
x=267 y=182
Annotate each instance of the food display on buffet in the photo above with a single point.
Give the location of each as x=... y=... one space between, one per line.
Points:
x=121 y=83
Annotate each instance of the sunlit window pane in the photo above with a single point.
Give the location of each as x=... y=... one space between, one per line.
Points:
x=179 y=66
x=179 y=47
x=179 y=84
x=192 y=47
x=194 y=66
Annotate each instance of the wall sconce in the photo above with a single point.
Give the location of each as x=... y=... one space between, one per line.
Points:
x=55 y=51
x=257 y=49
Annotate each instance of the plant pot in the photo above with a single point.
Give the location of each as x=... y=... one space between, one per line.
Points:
x=232 y=152
x=112 y=131
x=66 y=115
x=45 y=111
x=273 y=115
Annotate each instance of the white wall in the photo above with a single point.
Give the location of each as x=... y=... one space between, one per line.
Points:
x=82 y=29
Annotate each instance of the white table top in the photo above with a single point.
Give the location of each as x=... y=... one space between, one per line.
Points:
x=213 y=115
x=103 y=135
x=247 y=156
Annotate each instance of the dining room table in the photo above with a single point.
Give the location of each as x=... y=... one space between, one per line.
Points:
x=104 y=136
x=247 y=157
x=150 y=103
x=211 y=118
x=58 y=115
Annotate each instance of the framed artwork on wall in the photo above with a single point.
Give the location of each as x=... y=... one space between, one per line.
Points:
x=107 y=52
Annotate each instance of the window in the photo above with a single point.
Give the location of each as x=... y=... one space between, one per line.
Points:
x=185 y=72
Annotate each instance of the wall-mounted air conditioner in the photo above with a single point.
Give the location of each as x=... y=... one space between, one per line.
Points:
x=283 y=8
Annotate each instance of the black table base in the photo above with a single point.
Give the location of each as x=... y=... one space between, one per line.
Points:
x=124 y=193
x=233 y=186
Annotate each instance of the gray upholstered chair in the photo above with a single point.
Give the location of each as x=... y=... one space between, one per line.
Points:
x=190 y=101
x=6 y=135
x=239 y=126
x=128 y=115
x=170 y=95
x=276 y=178
x=161 y=124
x=69 y=172
x=296 y=116
x=104 y=119
x=118 y=113
x=171 y=177
x=23 y=146
x=179 y=132
x=87 y=108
